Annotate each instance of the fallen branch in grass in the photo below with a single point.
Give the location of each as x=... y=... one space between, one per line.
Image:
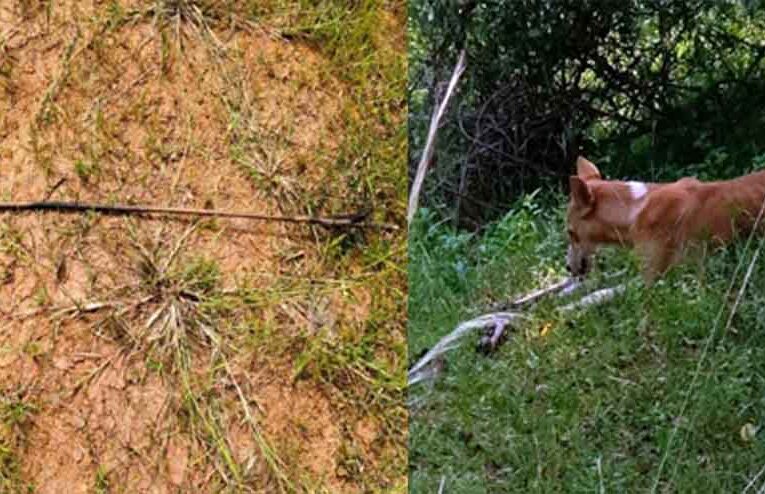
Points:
x=64 y=311
x=353 y=220
x=595 y=298
x=491 y=340
x=566 y=286
x=449 y=341
x=561 y=289
x=435 y=121
x=496 y=323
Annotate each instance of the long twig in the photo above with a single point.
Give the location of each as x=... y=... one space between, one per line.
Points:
x=435 y=121
x=355 y=220
x=595 y=298
x=561 y=289
x=498 y=322
x=79 y=309
x=532 y=297
x=448 y=342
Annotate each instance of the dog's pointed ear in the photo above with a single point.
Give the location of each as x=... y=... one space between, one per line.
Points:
x=580 y=192
x=586 y=170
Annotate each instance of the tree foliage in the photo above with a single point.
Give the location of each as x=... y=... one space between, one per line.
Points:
x=649 y=88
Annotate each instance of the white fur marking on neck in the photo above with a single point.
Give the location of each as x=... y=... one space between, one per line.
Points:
x=637 y=189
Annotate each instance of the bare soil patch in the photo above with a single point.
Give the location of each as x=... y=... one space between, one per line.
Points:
x=187 y=374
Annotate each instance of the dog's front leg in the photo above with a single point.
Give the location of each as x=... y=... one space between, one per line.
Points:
x=656 y=258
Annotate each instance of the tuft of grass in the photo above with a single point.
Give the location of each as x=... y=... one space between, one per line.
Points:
x=175 y=292
x=590 y=403
x=101 y=481
x=16 y=412
x=358 y=365
x=85 y=171
x=185 y=321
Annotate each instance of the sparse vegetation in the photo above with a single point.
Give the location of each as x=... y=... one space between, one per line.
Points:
x=16 y=411
x=240 y=357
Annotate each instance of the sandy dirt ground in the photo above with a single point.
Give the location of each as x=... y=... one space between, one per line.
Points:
x=160 y=355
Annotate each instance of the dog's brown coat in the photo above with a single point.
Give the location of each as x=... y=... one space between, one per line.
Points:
x=664 y=223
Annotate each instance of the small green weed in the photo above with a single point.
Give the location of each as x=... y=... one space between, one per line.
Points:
x=85 y=171
x=16 y=412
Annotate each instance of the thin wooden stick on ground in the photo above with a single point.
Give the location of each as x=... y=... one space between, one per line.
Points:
x=536 y=295
x=561 y=289
x=491 y=340
x=355 y=220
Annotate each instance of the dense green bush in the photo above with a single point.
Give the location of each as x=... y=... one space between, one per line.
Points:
x=654 y=89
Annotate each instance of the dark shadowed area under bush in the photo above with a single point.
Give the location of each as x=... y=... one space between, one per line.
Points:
x=648 y=89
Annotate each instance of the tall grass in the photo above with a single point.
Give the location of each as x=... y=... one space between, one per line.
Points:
x=590 y=403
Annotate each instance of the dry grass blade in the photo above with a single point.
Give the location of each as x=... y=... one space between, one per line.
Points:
x=275 y=463
x=754 y=479
x=435 y=121
x=93 y=373
x=155 y=316
x=82 y=308
x=211 y=428
x=174 y=253
x=53 y=88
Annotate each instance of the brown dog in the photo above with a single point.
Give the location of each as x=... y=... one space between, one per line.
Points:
x=661 y=221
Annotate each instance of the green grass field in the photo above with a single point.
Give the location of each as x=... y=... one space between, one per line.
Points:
x=648 y=393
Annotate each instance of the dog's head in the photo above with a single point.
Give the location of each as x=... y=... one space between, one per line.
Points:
x=584 y=230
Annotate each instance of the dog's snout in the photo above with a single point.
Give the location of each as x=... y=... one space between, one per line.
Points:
x=578 y=266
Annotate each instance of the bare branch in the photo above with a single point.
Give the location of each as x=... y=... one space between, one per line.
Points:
x=427 y=154
x=355 y=220
x=426 y=367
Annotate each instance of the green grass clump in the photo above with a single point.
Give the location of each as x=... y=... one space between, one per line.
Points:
x=648 y=392
x=16 y=413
